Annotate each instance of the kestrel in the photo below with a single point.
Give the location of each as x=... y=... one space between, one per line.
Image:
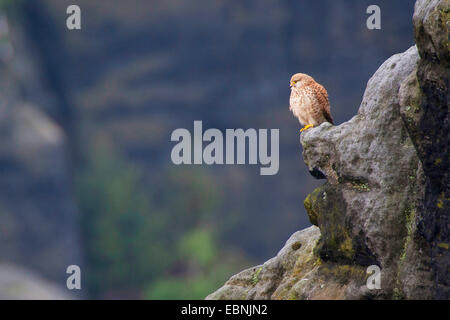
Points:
x=309 y=101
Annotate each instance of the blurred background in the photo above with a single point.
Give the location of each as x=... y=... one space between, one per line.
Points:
x=85 y=123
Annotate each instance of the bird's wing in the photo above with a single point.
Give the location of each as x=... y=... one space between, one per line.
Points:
x=323 y=97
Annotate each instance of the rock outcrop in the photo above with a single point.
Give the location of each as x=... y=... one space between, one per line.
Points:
x=386 y=199
x=17 y=283
x=425 y=112
x=38 y=215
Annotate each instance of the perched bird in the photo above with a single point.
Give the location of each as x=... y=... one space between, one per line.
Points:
x=309 y=101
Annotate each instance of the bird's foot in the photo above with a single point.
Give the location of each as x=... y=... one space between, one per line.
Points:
x=306 y=127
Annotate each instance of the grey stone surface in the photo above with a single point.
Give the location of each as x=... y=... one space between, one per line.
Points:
x=38 y=215
x=17 y=283
x=385 y=201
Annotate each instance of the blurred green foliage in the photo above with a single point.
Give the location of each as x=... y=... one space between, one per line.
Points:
x=196 y=287
x=198 y=246
x=155 y=244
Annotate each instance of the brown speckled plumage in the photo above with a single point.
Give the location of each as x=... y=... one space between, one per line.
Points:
x=309 y=101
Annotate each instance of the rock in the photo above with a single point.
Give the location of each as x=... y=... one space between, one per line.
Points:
x=295 y=273
x=431 y=27
x=275 y=277
x=373 y=172
x=38 y=215
x=385 y=201
x=17 y=283
x=425 y=112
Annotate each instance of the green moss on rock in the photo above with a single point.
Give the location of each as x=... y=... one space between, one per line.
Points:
x=308 y=203
x=326 y=208
x=255 y=277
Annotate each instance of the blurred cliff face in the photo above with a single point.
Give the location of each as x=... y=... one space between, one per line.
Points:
x=137 y=71
x=38 y=215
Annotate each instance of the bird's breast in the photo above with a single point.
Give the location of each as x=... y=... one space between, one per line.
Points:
x=299 y=101
x=300 y=105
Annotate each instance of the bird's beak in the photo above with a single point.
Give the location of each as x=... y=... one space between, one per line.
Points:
x=291 y=84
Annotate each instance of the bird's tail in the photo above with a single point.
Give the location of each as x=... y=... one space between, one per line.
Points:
x=329 y=118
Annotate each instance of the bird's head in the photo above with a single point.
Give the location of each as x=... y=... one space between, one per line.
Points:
x=300 y=79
